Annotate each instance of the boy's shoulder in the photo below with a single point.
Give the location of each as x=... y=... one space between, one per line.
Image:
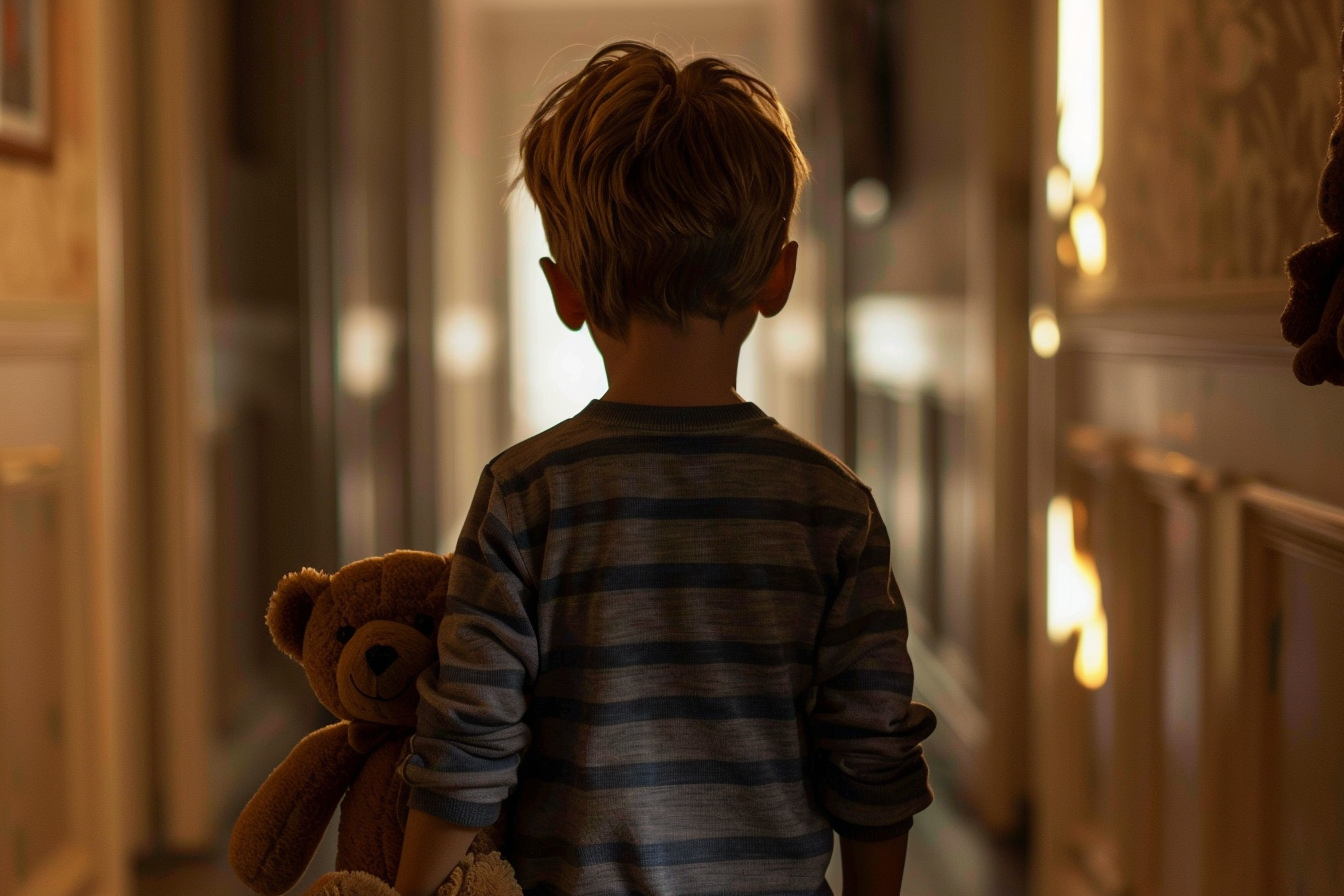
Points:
x=537 y=450
x=806 y=449
x=575 y=438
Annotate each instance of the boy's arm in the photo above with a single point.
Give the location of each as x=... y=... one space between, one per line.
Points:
x=872 y=869
x=430 y=852
x=470 y=733
x=869 y=769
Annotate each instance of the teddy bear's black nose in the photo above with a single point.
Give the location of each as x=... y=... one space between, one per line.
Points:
x=379 y=657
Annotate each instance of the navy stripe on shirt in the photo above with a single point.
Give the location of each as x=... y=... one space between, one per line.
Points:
x=755 y=773
x=682 y=446
x=679 y=852
x=667 y=576
x=670 y=509
x=676 y=653
x=648 y=709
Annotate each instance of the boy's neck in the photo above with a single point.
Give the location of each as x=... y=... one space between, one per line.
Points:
x=656 y=364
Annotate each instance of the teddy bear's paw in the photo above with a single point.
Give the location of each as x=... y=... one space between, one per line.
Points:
x=350 y=883
x=483 y=874
x=1312 y=271
x=1301 y=317
x=1317 y=361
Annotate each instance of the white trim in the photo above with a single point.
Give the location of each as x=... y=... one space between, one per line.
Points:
x=1298 y=526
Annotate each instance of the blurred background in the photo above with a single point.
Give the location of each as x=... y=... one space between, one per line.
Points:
x=265 y=304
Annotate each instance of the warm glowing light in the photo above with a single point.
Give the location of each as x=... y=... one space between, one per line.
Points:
x=1066 y=251
x=1090 y=663
x=796 y=342
x=1080 y=92
x=464 y=342
x=1044 y=332
x=1089 y=237
x=368 y=336
x=554 y=372
x=868 y=202
x=1073 y=596
x=1059 y=193
x=1068 y=599
x=889 y=342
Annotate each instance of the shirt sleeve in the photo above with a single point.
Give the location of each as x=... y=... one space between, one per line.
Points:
x=471 y=734
x=869 y=769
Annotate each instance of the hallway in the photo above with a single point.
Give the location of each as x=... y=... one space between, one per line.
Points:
x=268 y=303
x=950 y=855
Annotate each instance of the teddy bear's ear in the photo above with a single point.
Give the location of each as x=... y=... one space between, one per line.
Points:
x=291 y=605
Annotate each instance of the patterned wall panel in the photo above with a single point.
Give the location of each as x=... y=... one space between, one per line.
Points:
x=1218 y=114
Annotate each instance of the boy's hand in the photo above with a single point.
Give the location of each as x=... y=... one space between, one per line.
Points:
x=432 y=849
x=873 y=869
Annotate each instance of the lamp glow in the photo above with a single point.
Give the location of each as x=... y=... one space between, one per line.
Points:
x=1045 y=337
x=797 y=343
x=1090 y=663
x=367 y=337
x=1089 y=237
x=868 y=202
x=890 y=342
x=553 y=372
x=464 y=342
x=1073 y=596
x=1068 y=601
x=1080 y=92
x=1059 y=193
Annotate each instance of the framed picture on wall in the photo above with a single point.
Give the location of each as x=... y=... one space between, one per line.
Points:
x=25 y=89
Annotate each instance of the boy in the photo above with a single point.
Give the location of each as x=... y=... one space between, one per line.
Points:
x=672 y=629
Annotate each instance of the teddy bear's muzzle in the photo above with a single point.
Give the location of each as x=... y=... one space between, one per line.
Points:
x=377 y=671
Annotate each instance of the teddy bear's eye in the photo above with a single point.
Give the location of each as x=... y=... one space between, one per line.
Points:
x=424 y=624
x=345 y=633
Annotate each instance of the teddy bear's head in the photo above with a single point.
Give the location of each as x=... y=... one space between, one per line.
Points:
x=364 y=634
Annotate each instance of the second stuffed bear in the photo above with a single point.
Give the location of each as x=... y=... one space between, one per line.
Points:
x=1314 y=318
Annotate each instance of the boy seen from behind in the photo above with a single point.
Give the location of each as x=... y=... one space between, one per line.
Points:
x=672 y=629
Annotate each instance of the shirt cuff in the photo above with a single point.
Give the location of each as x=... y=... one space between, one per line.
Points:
x=452 y=810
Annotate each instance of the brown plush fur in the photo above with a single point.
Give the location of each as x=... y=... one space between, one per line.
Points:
x=363 y=636
x=277 y=834
x=1314 y=317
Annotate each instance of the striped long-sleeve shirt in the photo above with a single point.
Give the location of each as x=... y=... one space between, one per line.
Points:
x=674 y=634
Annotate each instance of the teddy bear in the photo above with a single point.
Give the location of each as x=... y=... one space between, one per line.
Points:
x=1314 y=317
x=363 y=636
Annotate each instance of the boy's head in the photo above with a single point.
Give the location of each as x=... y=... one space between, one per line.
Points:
x=665 y=191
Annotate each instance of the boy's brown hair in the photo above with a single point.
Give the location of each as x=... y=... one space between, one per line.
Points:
x=664 y=192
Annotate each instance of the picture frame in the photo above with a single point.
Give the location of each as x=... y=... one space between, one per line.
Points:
x=25 y=78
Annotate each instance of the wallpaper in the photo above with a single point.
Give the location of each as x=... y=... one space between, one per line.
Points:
x=1218 y=113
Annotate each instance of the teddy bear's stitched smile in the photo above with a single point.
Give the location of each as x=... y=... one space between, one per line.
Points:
x=403 y=690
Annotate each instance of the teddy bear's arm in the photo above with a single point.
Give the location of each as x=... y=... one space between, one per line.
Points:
x=279 y=830
x=1312 y=271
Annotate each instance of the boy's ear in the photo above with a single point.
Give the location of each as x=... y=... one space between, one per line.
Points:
x=568 y=303
x=775 y=293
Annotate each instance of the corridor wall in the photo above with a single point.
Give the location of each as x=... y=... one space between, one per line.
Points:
x=63 y=631
x=1213 y=482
